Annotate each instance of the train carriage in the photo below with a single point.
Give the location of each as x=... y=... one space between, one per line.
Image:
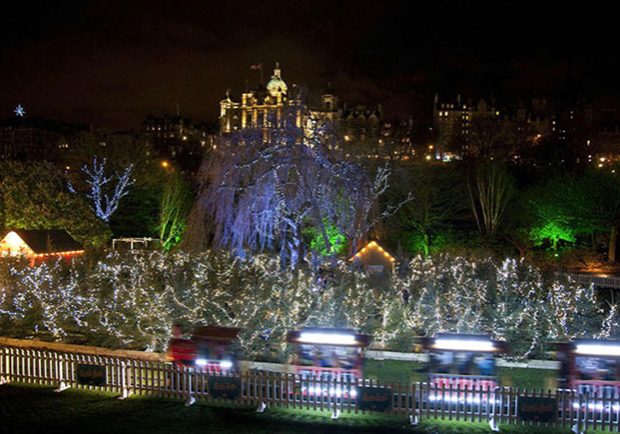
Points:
x=590 y=366
x=325 y=356
x=209 y=349
x=463 y=362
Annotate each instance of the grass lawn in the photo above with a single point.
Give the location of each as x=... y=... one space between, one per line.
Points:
x=30 y=409
x=396 y=371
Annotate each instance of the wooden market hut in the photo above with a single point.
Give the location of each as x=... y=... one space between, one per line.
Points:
x=39 y=245
x=374 y=259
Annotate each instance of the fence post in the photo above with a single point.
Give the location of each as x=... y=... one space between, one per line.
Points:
x=4 y=376
x=259 y=392
x=576 y=429
x=334 y=396
x=492 y=422
x=413 y=416
x=60 y=369
x=187 y=374
x=124 y=385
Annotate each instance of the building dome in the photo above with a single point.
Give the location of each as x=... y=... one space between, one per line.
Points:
x=276 y=85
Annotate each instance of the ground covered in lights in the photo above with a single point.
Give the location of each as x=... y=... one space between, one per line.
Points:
x=30 y=409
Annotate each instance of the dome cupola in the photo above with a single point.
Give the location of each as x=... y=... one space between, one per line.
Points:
x=276 y=85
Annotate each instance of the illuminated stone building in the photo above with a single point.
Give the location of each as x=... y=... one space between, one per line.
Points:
x=277 y=104
x=263 y=107
x=269 y=106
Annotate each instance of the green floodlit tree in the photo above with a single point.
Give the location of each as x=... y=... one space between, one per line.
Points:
x=337 y=240
x=553 y=232
x=176 y=201
x=490 y=190
x=567 y=207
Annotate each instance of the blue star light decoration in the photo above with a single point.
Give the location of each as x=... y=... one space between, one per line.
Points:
x=19 y=111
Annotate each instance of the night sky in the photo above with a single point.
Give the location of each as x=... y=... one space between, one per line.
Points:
x=111 y=63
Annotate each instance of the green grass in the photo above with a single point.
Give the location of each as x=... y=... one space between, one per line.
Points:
x=395 y=371
x=530 y=378
x=32 y=409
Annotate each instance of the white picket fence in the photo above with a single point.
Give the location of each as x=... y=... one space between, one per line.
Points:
x=418 y=401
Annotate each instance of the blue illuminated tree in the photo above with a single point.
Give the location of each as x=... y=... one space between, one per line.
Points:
x=265 y=187
x=106 y=191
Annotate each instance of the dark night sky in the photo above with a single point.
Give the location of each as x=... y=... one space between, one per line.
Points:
x=110 y=63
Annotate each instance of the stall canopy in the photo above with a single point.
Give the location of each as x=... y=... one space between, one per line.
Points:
x=39 y=244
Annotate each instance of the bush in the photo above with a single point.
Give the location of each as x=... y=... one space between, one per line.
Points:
x=131 y=301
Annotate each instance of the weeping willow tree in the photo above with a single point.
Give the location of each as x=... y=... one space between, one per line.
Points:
x=490 y=189
x=265 y=187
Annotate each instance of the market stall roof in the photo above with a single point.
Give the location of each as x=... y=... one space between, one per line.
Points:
x=370 y=246
x=45 y=241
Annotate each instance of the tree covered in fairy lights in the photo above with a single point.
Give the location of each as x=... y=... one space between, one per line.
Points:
x=105 y=191
x=132 y=301
x=264 y=189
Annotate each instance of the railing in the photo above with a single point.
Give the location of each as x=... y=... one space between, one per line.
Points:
x=600 y=280
x=417 y=401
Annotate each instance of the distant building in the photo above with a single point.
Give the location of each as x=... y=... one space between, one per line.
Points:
x=178 y=139
x=36 y=138
x=39 y=245
x=268 y=106
x=456 y=120
x=263 y=107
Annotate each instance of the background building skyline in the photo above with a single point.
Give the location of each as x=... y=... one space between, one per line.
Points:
x=109 y=63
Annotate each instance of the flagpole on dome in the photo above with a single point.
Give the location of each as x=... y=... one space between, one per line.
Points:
x=258 y=66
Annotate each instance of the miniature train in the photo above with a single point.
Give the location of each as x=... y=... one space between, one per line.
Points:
x=323 y=355
x=462 y=362
x=590 y=366
x=210 y=349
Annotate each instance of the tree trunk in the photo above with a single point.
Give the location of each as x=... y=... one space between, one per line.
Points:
x=613 y=237
x=427 y=244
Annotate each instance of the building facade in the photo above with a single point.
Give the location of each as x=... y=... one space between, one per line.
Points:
x=461 y=124
x=277 y=105
x=36 y=139
x=176 y=138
